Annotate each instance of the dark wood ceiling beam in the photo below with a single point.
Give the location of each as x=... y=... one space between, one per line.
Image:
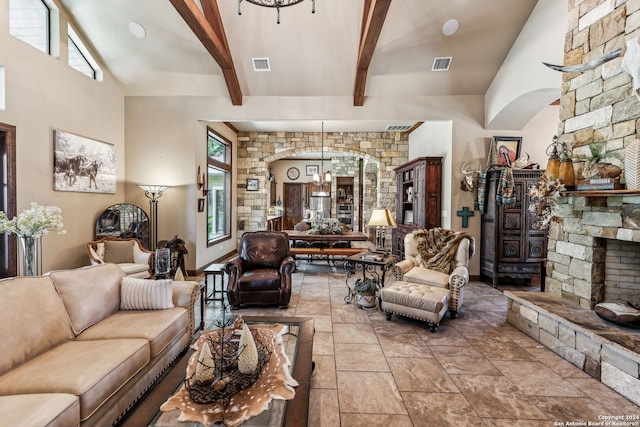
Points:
x=210 y=32
x=374 y=14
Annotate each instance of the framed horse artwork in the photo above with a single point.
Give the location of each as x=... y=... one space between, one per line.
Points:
x=83 y=164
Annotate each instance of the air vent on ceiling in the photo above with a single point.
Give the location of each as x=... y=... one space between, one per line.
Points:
x=397 y=128
x=442 y=63
x=261 y=64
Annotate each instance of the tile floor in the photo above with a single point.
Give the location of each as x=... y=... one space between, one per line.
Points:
x=476 y=370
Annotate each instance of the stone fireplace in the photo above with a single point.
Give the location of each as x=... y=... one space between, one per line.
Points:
x=593 y=254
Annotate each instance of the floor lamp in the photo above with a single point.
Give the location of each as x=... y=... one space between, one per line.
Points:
x=153 y=193
x=381 y=219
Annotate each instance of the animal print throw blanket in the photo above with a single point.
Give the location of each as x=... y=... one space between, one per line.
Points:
x=438 y=248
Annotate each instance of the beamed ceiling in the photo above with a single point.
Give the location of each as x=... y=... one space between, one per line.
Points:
x=352 y=49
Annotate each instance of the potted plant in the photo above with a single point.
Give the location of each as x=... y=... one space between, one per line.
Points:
x=595 y=161
x=365 y=290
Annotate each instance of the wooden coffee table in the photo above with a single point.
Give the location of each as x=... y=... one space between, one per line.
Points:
x=286 y=413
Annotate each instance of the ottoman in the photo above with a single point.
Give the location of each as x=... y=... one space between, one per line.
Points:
x=422 y=302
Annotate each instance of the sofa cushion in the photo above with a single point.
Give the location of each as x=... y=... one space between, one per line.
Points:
x=32 y=320
x=159 y=327
x=145 y=294
x=91 y=370
x=89 y=294
x=118 y=251
x=37 y=410
x=424 y=276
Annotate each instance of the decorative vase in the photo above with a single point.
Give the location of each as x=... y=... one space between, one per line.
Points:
x=30 y=255
x=366 y=301
x=566 y=174
x=162 y=263
x=632 y=165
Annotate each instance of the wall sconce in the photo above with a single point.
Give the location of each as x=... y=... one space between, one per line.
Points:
x=201 y=180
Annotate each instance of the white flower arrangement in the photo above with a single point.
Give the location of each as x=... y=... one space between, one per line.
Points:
x=33 y=222
x=543 y=196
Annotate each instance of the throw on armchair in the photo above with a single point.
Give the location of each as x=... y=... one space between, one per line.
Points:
x=438 y=257
x=261 y=274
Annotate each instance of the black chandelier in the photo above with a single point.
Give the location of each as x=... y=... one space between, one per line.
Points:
x=277 y=4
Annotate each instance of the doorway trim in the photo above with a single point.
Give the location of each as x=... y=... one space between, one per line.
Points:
x=8 y=195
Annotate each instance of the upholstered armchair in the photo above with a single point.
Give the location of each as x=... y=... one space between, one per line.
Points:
x=127 y=253
x=261 y=273
x=438 y=257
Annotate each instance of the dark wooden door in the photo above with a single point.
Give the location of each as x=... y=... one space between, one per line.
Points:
x=8 y=244
x=292 y=194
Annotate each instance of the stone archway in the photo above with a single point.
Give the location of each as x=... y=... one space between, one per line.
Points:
x=257 y=150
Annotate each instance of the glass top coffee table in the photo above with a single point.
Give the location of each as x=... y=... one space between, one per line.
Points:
x=281 y=413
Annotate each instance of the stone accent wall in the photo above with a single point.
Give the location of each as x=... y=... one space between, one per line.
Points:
x=257 y=149
x=599 y=105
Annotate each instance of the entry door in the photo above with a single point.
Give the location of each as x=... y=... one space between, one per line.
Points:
x=292 y=205
x=8 y=244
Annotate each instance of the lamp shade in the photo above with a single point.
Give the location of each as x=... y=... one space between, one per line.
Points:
x=381 y=218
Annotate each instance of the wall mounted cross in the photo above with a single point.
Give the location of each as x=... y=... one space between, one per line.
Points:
x=465 y=213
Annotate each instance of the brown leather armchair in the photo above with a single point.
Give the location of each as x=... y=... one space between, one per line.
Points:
x=261 y=274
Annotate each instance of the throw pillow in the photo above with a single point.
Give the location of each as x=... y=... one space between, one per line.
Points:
x=118 y=251
x=145 y=294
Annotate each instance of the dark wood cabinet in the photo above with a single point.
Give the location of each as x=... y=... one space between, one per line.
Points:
x=419 y=198
x=510 y=246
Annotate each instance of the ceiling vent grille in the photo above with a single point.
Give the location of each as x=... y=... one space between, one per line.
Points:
x=397 y=128
x=442 y=63
x=261 y=64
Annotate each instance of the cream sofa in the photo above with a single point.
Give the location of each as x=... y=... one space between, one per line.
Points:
x=71 y=356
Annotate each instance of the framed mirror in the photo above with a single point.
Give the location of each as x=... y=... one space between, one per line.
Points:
x=124 y=220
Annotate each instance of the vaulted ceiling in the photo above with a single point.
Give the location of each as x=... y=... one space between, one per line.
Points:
x=347 y=48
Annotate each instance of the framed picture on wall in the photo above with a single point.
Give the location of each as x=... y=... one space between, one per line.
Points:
x=252 y=184
x=83 y=164
x=507 y=149
x=312 y=170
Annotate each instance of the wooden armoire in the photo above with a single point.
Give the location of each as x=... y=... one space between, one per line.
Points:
x=510 y=247
x=419 y=202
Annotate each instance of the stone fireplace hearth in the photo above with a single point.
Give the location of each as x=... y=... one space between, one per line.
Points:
x=593 y=256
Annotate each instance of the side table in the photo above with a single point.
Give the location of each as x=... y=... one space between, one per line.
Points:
x=373 y=264
x=216 y=271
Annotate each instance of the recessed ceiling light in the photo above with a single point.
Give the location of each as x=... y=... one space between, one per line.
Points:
x=450 y=27
x=137 y=30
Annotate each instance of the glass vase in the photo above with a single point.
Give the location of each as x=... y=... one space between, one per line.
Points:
x=30 y=255
x=162 y=263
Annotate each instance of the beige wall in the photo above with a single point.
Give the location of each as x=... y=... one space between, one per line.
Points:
x=43 y=93
x=165 y=145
